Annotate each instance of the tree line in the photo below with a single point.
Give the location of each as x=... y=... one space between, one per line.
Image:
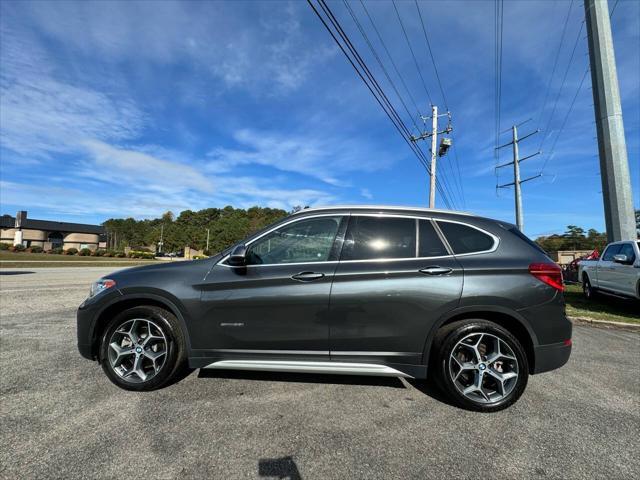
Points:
x=574 y=238
x=226 y=226
x=229 y=225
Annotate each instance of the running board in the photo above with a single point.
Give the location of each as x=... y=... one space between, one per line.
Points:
x=340 y=368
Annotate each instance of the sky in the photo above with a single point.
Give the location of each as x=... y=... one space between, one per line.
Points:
x=118 y=109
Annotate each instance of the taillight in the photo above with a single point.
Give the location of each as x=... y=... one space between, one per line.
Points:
x=549 y=273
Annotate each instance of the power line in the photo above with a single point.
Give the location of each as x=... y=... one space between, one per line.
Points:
x=377 y=57
x=564 y=122
x=435 y=67
x=498 y=29
x=573 y=101
x=367 y=77
x=459 y=185
x=384 y=45
x=547 y=132
x=555 y=64
x=406 y=37
x=377 y=87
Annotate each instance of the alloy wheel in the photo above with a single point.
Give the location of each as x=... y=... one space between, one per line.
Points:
x=137 y=350
x=483 y=368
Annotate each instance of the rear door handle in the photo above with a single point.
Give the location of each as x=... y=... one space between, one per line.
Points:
x=307 y=276
x=435 y=270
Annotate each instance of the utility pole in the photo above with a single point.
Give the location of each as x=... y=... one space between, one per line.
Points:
x=434 y=145
x=207 y=239
x=516 y=172
x=614 y=164
x=161 y=243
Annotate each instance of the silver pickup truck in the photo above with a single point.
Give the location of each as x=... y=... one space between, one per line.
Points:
x=616 y=272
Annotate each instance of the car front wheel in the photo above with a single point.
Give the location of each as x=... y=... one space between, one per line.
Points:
x=481 y=366
x=142 y=348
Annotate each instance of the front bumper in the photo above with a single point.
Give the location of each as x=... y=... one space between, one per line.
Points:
x=85 y=319
x=550 y=357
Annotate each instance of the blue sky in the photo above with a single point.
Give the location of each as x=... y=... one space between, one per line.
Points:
x=136 y=108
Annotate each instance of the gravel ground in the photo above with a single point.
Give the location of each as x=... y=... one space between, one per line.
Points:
x=61 y=418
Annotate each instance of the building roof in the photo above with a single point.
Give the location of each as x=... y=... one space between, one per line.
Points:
x=7 y=221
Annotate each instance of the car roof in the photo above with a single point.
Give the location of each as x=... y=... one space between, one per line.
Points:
x=382 y=208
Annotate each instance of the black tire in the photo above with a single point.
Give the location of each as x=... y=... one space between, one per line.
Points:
x=587 y=289
x=175 y=346
x=449 y=337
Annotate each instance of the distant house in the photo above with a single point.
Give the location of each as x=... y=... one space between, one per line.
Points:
x=49 y=234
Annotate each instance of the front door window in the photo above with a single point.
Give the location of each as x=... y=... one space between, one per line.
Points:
x=306 y=241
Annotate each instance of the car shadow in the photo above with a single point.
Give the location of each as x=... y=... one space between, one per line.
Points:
x=16 y=272
x=390 y=382
x=429 y=388
x=280 y=468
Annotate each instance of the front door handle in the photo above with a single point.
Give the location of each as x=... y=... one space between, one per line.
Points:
x=435 y=270
x=307 y=276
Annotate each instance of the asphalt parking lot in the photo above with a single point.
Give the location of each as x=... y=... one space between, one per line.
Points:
x=61 y=417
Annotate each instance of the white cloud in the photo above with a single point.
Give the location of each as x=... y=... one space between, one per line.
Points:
x=43 y=115
x=212 y=37
x=327 y=159
x=141 y=168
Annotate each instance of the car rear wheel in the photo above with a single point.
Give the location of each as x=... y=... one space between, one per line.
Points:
x=588 y=289
x=142 y=348
x=481 y=366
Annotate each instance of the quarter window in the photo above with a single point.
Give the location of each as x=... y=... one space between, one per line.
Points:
x=430 y=243
x=465 y=239
x=380 y=237
x=305 y=241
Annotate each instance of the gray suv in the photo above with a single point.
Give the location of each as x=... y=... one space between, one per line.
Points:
x=349 y=290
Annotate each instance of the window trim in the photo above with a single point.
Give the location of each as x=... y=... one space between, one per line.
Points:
x=284 y=224
x=348 y=216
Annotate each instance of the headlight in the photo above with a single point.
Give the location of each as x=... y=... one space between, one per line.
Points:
x=100 y=286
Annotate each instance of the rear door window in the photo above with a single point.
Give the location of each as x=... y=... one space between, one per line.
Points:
x=465 y=239
x=430 y=244
x=370 y=238
x=610 y=252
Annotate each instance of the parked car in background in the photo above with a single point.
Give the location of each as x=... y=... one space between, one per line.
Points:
x=346 y=290
x=616 y=272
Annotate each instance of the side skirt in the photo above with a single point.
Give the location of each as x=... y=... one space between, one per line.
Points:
x=341 y=368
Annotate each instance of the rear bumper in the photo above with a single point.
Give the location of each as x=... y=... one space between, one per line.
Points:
x=550 y=357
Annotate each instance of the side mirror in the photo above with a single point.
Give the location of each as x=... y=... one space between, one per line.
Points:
x=620 y=258
x=238 y=256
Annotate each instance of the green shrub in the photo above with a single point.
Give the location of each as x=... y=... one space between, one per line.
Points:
x=4 y=246
x=84 y=252
x=56 y=251
x=99 y=252
x=108 y=254
x=119 y=255
x=18 y=248
x=71 y=251
x=36 y=249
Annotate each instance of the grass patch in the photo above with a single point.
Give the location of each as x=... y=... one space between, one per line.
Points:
x=602 y=307
x=44 y=260
x=73 y=264
x=13 y=256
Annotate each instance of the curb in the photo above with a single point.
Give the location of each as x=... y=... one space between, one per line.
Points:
x=634 y=327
